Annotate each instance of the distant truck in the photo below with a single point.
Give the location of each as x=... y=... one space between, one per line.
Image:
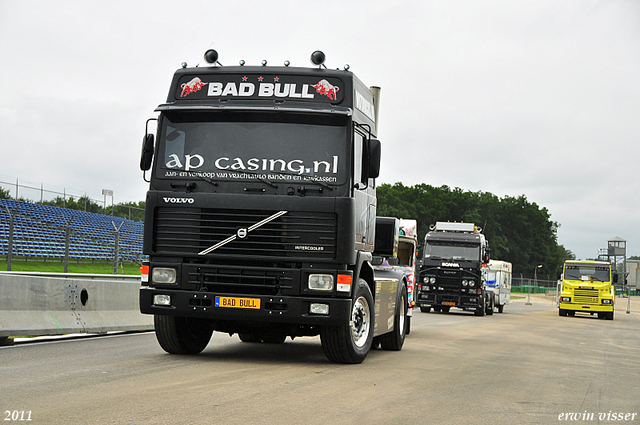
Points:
x=497 y=281
x=451 y=270
x=404 y=258
x=587 y=287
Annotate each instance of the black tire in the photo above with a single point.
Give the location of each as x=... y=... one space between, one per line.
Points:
x=182 y=335
x=351 y=343
x=562 y=312
x=490 y=305
x=500 y=308
x=395 y=339
x=408 y=325
x=425 y=309
x=249 y=338
x=273 y=339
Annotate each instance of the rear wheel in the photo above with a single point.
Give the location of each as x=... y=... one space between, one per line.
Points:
x=182 y=335
x=351 y=343
x=395 y=339
x=249 y=337
x=490 y=305
x=274 y=339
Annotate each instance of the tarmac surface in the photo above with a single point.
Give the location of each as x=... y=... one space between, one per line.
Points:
x=524 y=366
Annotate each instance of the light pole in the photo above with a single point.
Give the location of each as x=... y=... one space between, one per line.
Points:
x=535 y=282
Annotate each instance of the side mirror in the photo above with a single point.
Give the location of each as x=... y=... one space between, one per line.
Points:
x=146 y=156
x=374 y=158
x=615 y=277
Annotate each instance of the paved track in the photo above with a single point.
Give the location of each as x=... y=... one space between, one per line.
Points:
x=527 y=365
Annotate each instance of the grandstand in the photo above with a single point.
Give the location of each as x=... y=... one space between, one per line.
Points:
x=40 y=231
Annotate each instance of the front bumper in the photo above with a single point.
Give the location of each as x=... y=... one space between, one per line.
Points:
x=273 y=309
x=586 y=307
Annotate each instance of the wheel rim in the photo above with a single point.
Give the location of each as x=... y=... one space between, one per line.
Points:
x=360 y=322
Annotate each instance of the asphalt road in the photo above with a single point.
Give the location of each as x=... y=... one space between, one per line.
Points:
x=525 y=366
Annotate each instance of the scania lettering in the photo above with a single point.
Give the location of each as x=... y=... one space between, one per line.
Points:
x=587 y=287
x=261 y=208
x=451 y=270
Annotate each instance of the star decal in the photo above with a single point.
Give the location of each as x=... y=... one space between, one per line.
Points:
x=276 y=79
x=260 y=78
x=244 y=78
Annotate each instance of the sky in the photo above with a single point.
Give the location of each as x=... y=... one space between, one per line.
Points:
x=536 y=98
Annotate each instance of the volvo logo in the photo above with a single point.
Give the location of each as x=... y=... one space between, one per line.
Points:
x=242 y=233
x=178 y=200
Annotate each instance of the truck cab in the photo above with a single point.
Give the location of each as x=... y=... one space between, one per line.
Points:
x=497 y=281
x=401 y=258
x=451 y=269
x=261 y=208
x=587 y=287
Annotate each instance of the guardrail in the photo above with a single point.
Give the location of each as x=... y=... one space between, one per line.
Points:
x=36 y=304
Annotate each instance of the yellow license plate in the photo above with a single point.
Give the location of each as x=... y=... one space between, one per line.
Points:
x=236 y=302
x=448 y=303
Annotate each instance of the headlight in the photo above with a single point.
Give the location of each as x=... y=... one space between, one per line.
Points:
x=432 y=280
x=565 y=299
x=163 y=275
x=472 y=283
x=606 y=301
x=320 y=282
x=425 y=280
x=465 y=283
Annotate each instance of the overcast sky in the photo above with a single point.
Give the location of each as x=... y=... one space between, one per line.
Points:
x=536 y=98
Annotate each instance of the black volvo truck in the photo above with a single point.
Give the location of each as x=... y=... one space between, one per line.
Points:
x=261 y=210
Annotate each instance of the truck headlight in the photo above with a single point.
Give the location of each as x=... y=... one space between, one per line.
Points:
x=160 y=299
x=565 y=299
x=465 y=283
x=163 y=275
x=320 y=282
x=472 y=283
x=606 y=301
x=432 y=280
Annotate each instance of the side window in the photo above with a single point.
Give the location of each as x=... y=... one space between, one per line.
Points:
x=358 y=158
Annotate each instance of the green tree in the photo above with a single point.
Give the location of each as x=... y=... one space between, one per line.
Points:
x=518 y=231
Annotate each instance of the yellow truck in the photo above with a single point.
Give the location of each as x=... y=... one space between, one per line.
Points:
x=587 y=287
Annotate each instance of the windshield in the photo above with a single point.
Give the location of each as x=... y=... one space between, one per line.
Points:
x=587 y=272
x=249 y=146
x=452 y=251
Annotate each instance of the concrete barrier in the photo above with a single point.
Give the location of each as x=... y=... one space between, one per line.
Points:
x=35 y=304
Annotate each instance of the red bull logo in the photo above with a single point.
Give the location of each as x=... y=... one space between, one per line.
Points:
x=327 y=89
x=192 y=86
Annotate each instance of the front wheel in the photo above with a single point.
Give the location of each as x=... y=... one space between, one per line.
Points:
x=395 y=339
x=351 y=343
x=182 y=335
